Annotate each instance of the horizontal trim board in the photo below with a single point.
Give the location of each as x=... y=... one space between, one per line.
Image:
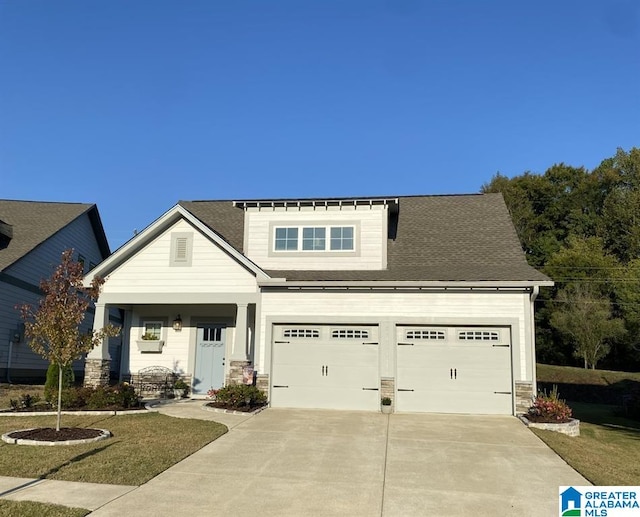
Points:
x=20 y=284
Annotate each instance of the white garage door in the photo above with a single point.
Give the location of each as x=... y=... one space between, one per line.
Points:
x=454 y=370
x=325 y=366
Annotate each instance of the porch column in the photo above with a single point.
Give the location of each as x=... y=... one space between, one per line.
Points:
x=239 y=354
x=98 y=361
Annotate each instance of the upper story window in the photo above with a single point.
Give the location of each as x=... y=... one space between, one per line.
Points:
x=314 y=238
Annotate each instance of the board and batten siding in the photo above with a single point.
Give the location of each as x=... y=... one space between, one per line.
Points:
x=391 y=308
x=212 y=270
x=42 y=260
x=371 y=237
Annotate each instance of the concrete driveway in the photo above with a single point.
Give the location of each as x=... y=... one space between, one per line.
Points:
x=316 y=463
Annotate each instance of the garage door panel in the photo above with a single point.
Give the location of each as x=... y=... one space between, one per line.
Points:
x=332 y=370
x=465 y=370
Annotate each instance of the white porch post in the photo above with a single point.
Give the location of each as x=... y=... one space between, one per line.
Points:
x=97 y=363
x=240 y=341
x=239 y=357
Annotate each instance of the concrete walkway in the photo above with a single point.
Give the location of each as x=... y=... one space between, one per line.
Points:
x=326 y=463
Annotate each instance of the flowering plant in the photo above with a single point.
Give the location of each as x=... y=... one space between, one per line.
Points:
x=212 y=393
x=549 y=408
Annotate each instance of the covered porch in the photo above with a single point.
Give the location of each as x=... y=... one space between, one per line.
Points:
x=208 y=342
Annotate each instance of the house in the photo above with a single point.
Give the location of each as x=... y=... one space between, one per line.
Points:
x=332 y=303
x=33 y=236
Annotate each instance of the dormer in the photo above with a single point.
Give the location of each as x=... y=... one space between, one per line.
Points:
x=317 y=234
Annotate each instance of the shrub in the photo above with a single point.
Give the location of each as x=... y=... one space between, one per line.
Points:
x=549 y=408
x=120 y=396
x=236 y=396
x=25 y=401
x=51 y=384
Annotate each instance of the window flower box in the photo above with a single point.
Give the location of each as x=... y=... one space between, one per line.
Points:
x=150 y=345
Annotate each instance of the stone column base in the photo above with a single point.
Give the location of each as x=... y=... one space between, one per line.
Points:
x=388 y=388
x=236 y=371
x=262 y=382
x=524 y=396
x=96 y=372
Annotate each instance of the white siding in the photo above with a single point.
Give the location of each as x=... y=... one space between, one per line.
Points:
x=149 y=271
x=396 y=308
x=371 y=238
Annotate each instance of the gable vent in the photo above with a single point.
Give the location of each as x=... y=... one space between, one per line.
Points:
x=181 y=249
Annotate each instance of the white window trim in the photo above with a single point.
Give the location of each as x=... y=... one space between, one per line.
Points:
x=327 y=239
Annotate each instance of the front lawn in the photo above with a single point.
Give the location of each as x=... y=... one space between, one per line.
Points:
x=142 y=446
x=29 y=509
x=607 y=452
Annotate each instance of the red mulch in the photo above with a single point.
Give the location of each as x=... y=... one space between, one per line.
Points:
x=542 y=420
x=49 y=434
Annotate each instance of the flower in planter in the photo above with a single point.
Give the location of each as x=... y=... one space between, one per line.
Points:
x=148 y=336
x=549 y=408
x=385 y=401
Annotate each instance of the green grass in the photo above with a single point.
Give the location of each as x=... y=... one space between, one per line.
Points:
x=29 y=509
x=607 y=452
x=141 y=448
x=13 y=391
x=572 y=375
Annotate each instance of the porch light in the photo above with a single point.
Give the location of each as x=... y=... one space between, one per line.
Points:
x=177 y=324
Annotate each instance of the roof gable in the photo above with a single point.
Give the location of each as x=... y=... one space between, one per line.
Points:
x=155 y=229
x=34 y=222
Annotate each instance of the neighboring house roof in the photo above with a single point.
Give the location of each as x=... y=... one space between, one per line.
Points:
x=33 y=222
x=431 y=238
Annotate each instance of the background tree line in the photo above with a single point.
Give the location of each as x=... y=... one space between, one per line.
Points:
x=582 y=229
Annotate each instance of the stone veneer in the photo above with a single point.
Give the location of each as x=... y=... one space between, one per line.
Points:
x=524 y=396
x=388 y=388
x=96 y=372
x=262 y=382
x=236 y=372
x=570 y=428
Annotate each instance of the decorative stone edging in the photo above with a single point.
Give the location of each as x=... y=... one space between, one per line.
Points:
x=104 y=434
x=145 y=411
x=231 y=411
x=570 y=428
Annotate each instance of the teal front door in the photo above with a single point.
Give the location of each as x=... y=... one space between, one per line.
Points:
x=209 y=371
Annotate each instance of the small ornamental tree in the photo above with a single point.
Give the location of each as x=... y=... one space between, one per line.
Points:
x=53 y=329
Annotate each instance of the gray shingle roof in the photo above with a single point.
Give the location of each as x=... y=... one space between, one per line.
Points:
x=33 y=222
x=437 y=238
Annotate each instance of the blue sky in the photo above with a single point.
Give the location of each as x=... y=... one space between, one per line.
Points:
x=136 y=104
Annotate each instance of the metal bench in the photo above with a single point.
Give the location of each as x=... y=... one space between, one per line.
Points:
x=155 y=381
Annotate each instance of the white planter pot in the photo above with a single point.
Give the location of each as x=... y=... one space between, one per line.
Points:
x=387 y=410
x=147 y=345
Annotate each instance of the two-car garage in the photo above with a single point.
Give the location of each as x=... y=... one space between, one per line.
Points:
x=444 y=369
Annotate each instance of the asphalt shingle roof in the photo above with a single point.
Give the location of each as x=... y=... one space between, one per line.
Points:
x=33 y=222
x=437 y=238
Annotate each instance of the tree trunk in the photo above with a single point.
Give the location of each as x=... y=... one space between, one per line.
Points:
x=59 y=397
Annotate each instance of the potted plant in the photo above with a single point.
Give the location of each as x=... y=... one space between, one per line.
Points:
x=180 y=389
x=385 y=405
x=148 y=342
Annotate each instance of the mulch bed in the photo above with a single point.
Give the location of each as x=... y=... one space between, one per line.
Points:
x=543 y=420
x=244 y=409
x=49 y=434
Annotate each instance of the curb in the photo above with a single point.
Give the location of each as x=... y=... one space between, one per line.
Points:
x=23 y=441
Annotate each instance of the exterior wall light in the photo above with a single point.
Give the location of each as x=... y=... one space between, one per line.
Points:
x=177 y=324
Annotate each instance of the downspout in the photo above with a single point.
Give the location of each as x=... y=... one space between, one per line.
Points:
x=9 y=361
x=534 y=294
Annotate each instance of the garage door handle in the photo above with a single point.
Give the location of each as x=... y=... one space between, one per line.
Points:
x=279 y=386
x=370 y=389
x=501 y=346
x=282 y=341
x=399 y=389
x=453 y=373
x=405 y=344
x=502 y=392
x=370 y=343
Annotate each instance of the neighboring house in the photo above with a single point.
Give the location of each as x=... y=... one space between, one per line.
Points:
x=33 y=236
x=334 y=303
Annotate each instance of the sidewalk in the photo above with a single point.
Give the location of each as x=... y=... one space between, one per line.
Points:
x=95 y=495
